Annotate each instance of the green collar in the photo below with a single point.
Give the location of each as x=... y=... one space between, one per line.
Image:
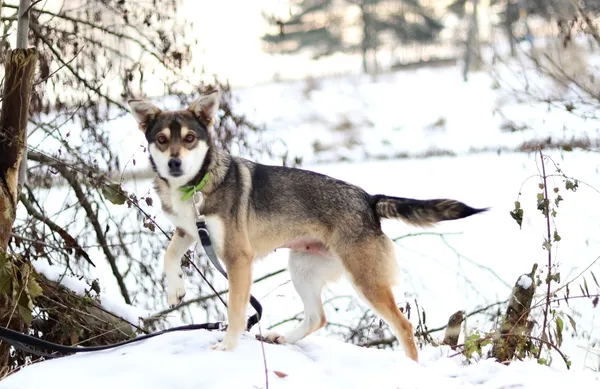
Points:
x=191 y=189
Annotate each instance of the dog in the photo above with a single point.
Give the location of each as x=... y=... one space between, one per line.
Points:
x=331 y=227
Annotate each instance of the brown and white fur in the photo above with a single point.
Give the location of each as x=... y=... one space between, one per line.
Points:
x=332 y=227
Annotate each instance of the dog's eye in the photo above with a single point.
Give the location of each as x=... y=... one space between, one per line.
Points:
x=190 y=138
x=161 y=139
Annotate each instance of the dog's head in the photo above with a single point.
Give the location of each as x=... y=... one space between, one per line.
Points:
x=178 y=141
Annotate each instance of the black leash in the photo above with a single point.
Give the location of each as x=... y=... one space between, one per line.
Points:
x=26 y=342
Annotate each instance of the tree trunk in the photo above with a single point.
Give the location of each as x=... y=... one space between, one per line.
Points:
x=514 y=325
x=375 y=64
x=510 y=17
x=365 y=38
x=453 y=330
x=20 y=66
x=22 y=34
x=472 y=51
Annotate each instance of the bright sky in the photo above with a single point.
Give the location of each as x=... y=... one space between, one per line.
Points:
x=228 y=33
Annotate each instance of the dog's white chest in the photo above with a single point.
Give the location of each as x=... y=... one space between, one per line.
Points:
x=184 y=216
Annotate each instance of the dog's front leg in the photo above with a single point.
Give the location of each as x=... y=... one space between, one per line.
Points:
x=239 y=269
x=180 y=242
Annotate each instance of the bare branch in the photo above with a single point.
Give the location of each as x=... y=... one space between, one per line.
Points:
x=205 y=298
x=116 y=34
x=70 y=242
x=75 y=73
x=84 y=202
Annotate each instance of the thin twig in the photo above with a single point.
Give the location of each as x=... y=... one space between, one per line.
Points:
x=579 y=275
x=567 y=363
x=442 y=236
x=31 y=5
x=112 y=261
x=73 y=71
x=209 y=284
x=390 y=340
x=67 y=238
x=426 y=233
x=262 y=346
x=37 y=241
x=65 y=64
x=548 y=247
x=208 y=297
x=116 y=34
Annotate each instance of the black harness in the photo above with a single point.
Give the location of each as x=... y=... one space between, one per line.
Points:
x=27 y=343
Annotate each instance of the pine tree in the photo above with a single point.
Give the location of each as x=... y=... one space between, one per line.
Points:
x=313 y=26
x=413 y=23
x=317 y=26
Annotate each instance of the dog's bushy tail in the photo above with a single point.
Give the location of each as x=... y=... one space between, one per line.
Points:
x=421 y=212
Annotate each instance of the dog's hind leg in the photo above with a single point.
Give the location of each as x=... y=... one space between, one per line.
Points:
x=309 y=273
x=180 y=243
x=372 y=268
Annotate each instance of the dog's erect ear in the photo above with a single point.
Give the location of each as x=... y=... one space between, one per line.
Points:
x=143 y=111
x=206 y=106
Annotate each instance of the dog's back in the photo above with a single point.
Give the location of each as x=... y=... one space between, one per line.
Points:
x=289 y=202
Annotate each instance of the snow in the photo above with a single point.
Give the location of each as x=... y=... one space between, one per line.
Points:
x=185 y=360
x=442 y=282
x=525 y=281
x=463 y=264
x=415 y=113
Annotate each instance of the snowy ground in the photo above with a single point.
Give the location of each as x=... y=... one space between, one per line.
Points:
x=494 y=253
x=350 y=121
x=184 y=360
x=415 y=113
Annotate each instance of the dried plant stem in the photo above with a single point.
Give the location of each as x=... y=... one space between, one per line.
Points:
x=262 y=346
x=549 y=248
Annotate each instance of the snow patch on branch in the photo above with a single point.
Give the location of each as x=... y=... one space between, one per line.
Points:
x=81 y=287
x=525 y=281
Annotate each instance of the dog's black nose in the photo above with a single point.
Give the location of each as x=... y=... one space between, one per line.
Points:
x=175 y=164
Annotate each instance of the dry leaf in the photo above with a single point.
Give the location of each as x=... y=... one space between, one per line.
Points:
x=280 y=374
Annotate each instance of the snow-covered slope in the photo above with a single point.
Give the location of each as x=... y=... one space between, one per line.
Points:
x=184 y=360
x=404 y=114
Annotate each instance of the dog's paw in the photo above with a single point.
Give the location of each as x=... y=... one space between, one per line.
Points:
x=272 y=337
x=224 y=345
x=176 y=293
